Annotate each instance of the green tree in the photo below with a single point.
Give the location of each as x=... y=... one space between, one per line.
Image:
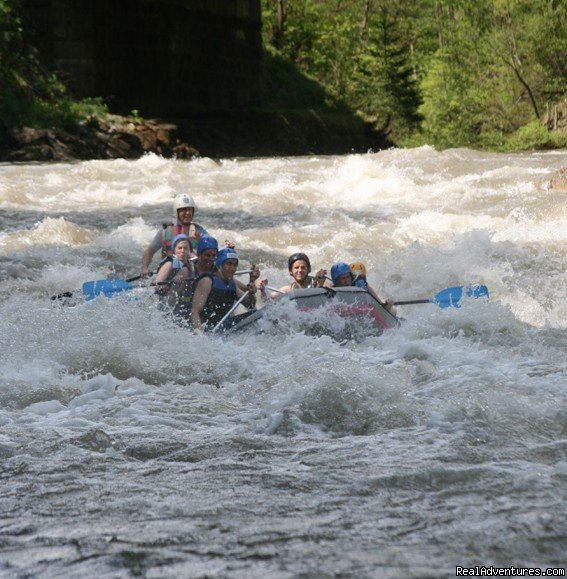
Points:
x=487 y=79
x=386 y=77
x=359 y=50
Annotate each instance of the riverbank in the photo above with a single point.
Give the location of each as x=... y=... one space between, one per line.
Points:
x=242 y=134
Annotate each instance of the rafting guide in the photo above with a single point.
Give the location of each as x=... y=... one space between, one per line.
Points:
x=183 y=212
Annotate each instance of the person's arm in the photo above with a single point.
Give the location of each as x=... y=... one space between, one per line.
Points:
x=321 y=280
x=388 y=304
x=149 y=253
x=283 y=290
x=261 y=285
x=240 y=285
x=162 y=287
x=163 y=272
x=254 y=275
x=146 y=260
x=200 y=297
x=250 y=299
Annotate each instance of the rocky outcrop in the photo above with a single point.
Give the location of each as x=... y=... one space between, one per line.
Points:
x=119 y=137
x=559 y=180
x=251 y=134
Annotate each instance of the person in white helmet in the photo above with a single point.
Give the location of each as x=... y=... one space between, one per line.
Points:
x=183 y=212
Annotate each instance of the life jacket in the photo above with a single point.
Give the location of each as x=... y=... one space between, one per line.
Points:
x=221 y=299
x=179 y=273
x=185 y=290
x=193 y=231
x=200 y=271
x=176 y=265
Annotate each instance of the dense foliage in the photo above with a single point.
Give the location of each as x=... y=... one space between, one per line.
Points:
x=476 y=73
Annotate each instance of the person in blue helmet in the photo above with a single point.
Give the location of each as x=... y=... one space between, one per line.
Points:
x=207 y=250
x=342 y=276
x=215 y=294
x=176 y=268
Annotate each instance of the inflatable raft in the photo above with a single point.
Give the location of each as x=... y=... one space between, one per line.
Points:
x=343 y=313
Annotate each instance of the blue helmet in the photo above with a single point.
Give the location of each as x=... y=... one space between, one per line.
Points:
x=177 y=239
x=224 y=254
x=207 y=242
x=339 y=269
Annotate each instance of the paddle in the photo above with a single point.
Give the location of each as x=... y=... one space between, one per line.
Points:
x=236 y=304
x=109 y=287
x=451 y=296
x=89 y=287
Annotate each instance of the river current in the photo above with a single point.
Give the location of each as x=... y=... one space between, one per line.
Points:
x=132 y=447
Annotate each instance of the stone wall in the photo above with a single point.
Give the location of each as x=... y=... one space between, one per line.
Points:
x=165 y=58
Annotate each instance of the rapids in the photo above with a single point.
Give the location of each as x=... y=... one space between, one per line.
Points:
x=133 y=447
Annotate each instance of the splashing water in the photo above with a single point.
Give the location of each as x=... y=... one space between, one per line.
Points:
x=131 y=446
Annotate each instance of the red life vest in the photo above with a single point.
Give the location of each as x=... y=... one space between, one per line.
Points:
x=170 y=230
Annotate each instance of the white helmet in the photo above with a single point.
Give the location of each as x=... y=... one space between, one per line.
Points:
x=181 y=201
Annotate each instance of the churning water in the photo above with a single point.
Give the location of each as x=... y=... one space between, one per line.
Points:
x=132 y=447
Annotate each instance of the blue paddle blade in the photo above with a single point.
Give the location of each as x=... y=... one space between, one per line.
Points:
x=451 y=296
x=106 y=287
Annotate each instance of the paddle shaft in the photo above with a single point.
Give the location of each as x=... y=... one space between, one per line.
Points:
x=452 y=296
x=236 y=304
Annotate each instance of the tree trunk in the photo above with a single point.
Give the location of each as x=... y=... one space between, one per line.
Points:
x=280 y=24
x=437 y=12
x=516 y=64
x=365 y=18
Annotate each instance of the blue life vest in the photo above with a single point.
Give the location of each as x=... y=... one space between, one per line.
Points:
x=177 y=265
x=221 y=299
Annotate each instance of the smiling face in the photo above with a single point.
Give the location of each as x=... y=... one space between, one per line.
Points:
x=228 y=268
x=182 y=249
x=299 y=270
x=185 y=215
x=207 y=259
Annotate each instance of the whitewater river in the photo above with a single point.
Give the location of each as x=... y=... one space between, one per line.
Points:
x=132 y=447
